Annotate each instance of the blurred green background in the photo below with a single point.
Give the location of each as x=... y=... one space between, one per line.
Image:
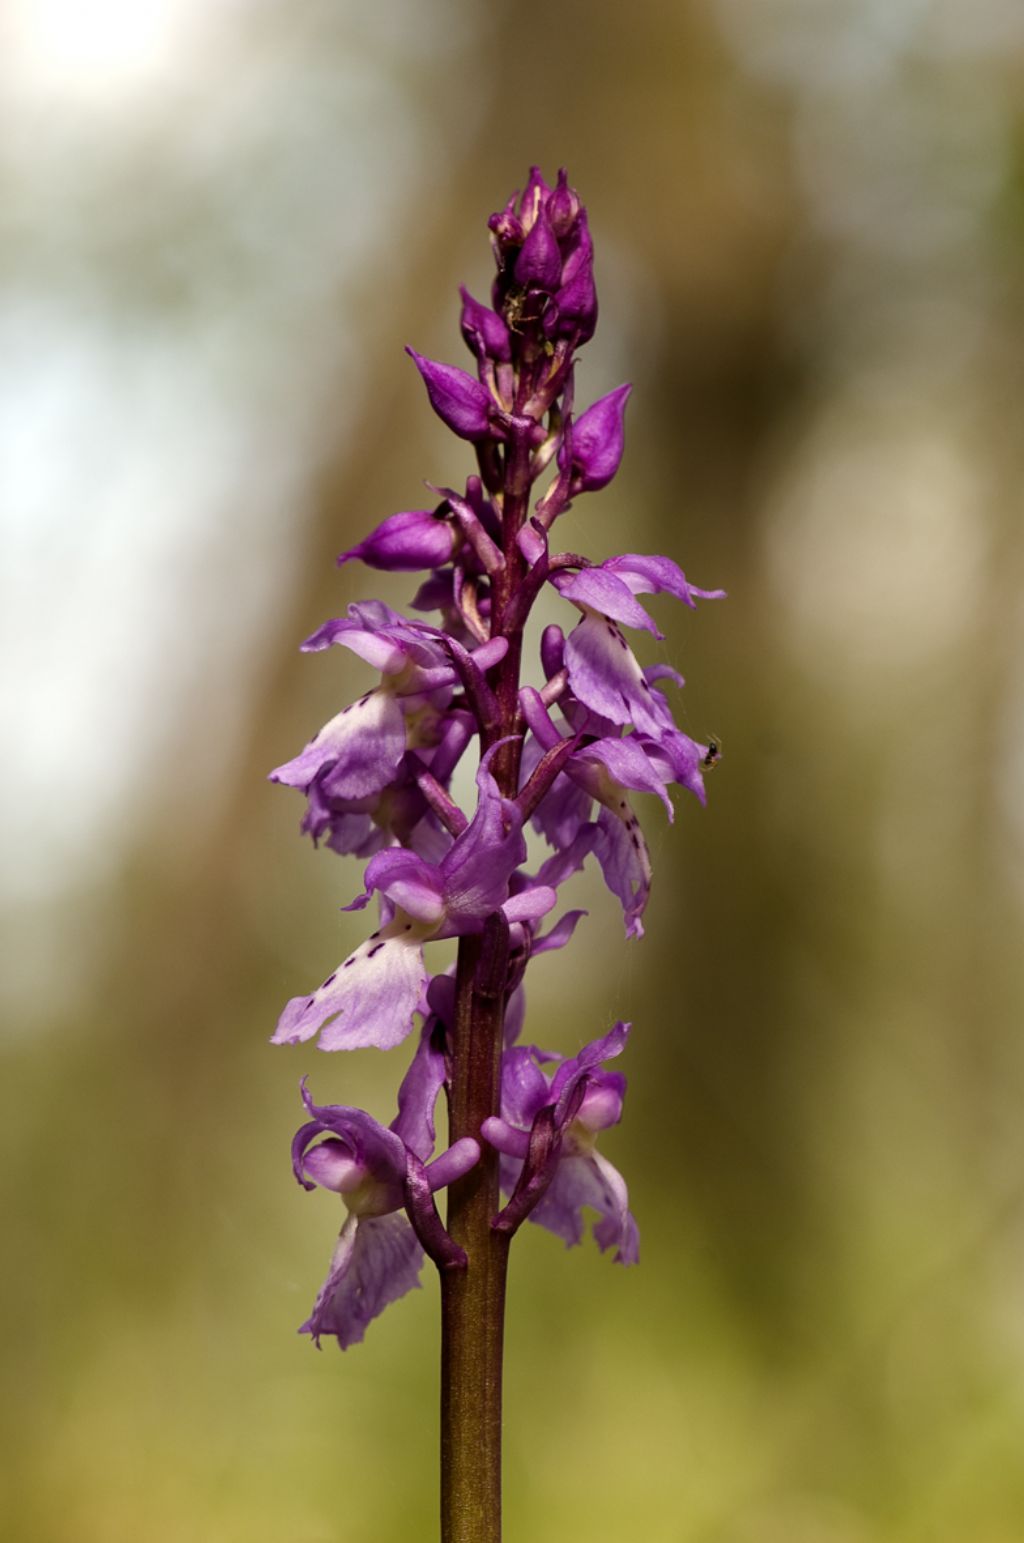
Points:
x=221 y=224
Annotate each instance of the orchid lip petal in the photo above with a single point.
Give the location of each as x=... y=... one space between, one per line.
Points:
x=368 y=1001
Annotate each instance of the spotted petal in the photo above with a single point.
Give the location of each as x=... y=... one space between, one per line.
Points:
x=359 y=750
x=369 y=1000
x=605 y=675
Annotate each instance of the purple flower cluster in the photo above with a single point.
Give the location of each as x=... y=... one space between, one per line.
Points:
x=566 y=754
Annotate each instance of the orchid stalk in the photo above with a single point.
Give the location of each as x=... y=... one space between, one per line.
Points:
x=566 y=753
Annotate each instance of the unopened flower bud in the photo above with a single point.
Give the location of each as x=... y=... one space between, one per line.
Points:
x=539 y=264
x=598 y=439
x=406 y=543
x=574 y=313
x=505 y=225
x=458 y=400
x=483 y=330
x=563 y=206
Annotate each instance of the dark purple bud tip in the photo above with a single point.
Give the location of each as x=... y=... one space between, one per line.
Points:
x=458 y=400
x=484 y=331
x=598 y=440
x=563 y=206
x=535 y=196
x=406 y=543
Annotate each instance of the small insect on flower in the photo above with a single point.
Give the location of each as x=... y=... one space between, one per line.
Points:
x=713 y=754
x=516 y=310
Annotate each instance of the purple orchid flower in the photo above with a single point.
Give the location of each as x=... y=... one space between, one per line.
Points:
x=559 y=1174
x=379 y=1252
x=371 y=998
x=399 y=812
x=358 y=752
x=609 y=770
x=603 y=671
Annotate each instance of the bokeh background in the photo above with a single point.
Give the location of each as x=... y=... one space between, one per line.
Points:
x=221 y=223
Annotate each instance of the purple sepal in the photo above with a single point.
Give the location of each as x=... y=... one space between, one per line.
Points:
x=599 y=590
x=609 y=766
x=680 y=759
x=435 y=593
x=566 y=860
x=406 y=543
x=460 y=401
x=524 y=1088
x=558 y=935
x=515 y=1015
x=412 y=885
x=378 y=1152
x=598 y=440
x=477 y=869
x=651 y=575
x=417 y=1096
x=410 y=649
x=483 y=330
x=441 y=1001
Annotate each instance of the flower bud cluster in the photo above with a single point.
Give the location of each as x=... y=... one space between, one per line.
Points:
x=566 y=752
